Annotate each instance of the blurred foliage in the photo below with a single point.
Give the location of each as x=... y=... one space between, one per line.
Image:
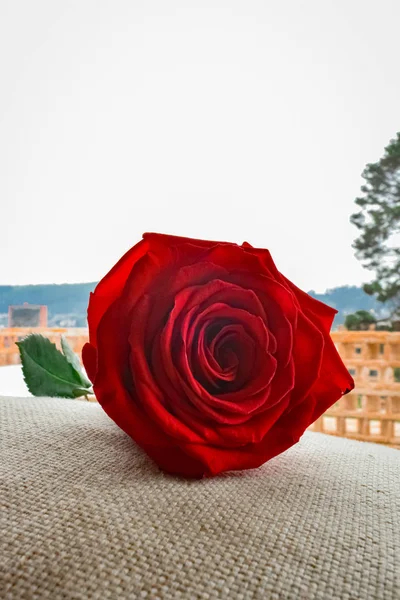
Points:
x=360 y=320
x=378 y=222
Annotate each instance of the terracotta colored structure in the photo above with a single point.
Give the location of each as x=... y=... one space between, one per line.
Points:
x=371 y=412
x=27 y=315
x=9 y=353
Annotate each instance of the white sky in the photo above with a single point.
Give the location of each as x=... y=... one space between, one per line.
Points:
x=233 y=120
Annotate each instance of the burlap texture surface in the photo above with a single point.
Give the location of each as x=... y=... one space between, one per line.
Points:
x=85 y=514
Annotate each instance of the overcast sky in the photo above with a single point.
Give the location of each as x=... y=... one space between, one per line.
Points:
x=232 y=120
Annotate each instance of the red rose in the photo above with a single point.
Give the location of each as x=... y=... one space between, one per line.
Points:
x=207 y=356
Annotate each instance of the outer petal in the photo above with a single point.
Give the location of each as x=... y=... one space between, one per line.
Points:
x=211 y=460
x=111 y=287
x=334 y=381
x=317 y=311
x=176 y=240
x=89 y=359
x=307 y=357
x=322 y=313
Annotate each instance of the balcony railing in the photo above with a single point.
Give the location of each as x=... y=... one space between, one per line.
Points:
x=371 y=412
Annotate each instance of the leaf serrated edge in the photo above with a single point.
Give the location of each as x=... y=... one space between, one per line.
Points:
x=85 y=383
x=24 y=366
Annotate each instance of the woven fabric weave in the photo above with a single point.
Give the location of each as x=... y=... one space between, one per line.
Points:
x=85 y=514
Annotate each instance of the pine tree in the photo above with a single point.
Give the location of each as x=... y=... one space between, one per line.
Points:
x=378 y=245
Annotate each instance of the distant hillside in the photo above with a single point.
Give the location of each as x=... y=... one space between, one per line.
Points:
x=67 y=303
x=347 y=299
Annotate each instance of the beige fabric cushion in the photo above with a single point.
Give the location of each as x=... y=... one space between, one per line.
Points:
x=85 y=514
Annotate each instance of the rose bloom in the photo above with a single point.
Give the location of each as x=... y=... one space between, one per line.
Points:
x=207 y=356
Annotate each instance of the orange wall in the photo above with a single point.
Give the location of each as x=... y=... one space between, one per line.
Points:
x=9 y=353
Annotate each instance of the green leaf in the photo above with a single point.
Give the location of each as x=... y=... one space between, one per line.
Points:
x=74 y=361
x=46 y=370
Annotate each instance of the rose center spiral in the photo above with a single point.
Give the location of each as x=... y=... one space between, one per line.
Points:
x=225 y=356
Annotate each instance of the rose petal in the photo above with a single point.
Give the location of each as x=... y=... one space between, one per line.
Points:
x=318 y=312
x=111 y=287
x=89 y=359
